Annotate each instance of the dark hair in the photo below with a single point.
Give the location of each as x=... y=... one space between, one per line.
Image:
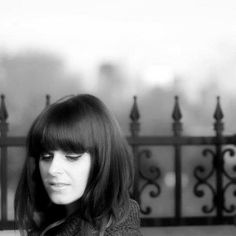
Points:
x=79 y=123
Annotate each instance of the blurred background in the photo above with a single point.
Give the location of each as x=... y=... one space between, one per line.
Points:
x=117 y=49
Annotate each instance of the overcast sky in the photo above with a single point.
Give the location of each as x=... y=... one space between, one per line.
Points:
x=153 y=38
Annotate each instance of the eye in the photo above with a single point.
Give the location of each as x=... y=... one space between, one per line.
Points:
x=47 y=156
x=73 y=156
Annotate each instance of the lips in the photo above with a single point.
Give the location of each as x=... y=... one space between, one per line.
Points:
x=57 y=186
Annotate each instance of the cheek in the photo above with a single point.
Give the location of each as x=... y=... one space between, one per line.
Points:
x=43 y=169
x=81 y=174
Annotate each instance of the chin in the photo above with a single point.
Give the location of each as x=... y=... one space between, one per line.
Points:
x=63 y=200
x=60 y=200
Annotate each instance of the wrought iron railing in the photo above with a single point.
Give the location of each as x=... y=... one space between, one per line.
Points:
x=217 y=211
x=218 y=188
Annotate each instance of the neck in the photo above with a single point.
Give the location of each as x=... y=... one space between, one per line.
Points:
x=71 y=208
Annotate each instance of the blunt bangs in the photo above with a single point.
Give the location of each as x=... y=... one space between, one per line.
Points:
x=58 y=129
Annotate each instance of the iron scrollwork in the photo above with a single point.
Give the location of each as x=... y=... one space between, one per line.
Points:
x=150 y=179
x=231 y=179
x=204 y=181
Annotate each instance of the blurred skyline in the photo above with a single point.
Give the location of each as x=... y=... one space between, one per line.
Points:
x=154 y=39
x=186 y=47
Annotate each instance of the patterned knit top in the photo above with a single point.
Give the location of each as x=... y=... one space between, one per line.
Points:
x=125 y=226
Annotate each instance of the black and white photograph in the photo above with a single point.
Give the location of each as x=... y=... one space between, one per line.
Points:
x=117 y=118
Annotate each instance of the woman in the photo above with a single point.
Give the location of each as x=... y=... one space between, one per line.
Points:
x=77 y=175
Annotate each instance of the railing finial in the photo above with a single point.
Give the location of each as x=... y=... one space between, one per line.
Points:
x=48 y=100
x=134 y=116
x=218 y=115
x=3 y=109
x=177 y=115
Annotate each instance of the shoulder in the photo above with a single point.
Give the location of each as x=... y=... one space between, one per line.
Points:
x=128 y=224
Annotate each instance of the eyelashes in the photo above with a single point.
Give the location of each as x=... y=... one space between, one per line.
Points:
x=48 y=156
x=73 y=157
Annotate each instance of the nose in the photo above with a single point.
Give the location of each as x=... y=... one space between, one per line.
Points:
x=56 y=165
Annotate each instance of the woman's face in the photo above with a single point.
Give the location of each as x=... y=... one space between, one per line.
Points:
x=64 y=175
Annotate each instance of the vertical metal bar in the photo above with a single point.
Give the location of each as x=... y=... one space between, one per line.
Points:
x=219 y=182
x=135 y=128
x=3 y=130
x=136 y=194
x=3 y=184
x=177 y=129
x=178 y=185
x=219 y=162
